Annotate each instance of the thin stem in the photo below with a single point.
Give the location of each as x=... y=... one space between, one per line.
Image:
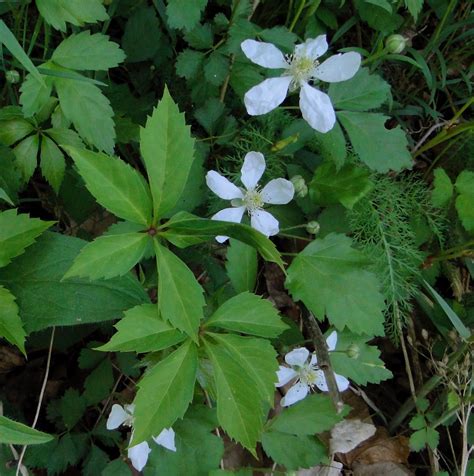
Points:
x=297 y=14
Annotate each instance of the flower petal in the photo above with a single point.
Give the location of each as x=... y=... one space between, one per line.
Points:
x=166 y=439
x=340 y=67
x=264 y=222
x=233 y=215
x=313 y=47
x=285 y=374
x=316 y=108
x=314 y=360
x=342 y=382
x=295 y=394
x=117 y=416
x=263 y=54
x=320 y=381
x=222 y=187
x=253 y=168
x=331 y=341
x=267 y=95
x=297 y=356
x=278 y=192
x=138 y=455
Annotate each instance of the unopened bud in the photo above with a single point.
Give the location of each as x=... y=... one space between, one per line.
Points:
x=313 y=227
x=12 y=76
x=353 y=351
x=395 y=43
x=301 y=189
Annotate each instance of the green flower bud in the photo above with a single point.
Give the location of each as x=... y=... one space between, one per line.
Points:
x=12 y=76
x=395 y=43
x=313 y=227
x=353 y=351
x=301 y=189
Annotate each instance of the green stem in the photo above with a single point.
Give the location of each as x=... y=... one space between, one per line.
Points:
x=297 y=14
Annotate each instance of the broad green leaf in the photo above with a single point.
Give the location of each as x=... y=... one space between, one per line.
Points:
x=442 y=188
x=362 y=92
x=17 y=232
x=35 y=94
x=346 y=186
x=4 y=196
x=165 y=392
x=464 y=201
x=116 y=186
x=188 y=63
x=14 y=433
x=241 y=266
x=99 y=383
x=88 y=52
x=89 y=110
x=332 y=145
x=64 y=137
x=95 y=462
x=184 y=14
x=72 y=407
x=380 y=148
x=424 y=437
x=414 y=7
x=143 y=330
x=216 y=68
x=168 y=151
x=11 y=327
x=249 y=314
x=180 y=296
x=52 y=163
x=201 y=37
x=13 y=130
x=314 y=414
x=26 y=154
x=109 y=256
x=331 y=278
x=63 y=303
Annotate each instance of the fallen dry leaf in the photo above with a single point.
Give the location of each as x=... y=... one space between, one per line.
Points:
x=348 y=434
x=376 y=469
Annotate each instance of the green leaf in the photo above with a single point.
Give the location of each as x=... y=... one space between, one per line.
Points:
x=332 y=145
x=26 y=153
x=381 y=149
x=189 y=63
x=14 y=433
x=99 y=383
x=168 y=151
x=109 y=256
x=442 y=188
x=13 y=130
x=362 y=92
x=4 y=196
x=11 y=327
x=414 y=7
x=96 y=461
x=249 y=314
x=52 y=163
x=89 y=110
x=75 y=301
x=88 y=52
x=115 y=184
x=10 y=177
x=116 y=467
x=143 y=330
x=216 y=68
x=35 y=94
x=184 y=14
x=465 y=187
x=314 y=414
x=165 y=393
x=346 y=186
x=241 y=266
x=180 y=295
x=72 y=406
x=18 y=232
x=422 y=438
x=331 y=278
x=201 y=37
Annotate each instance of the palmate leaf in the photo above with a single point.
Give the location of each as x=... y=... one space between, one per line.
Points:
x=26 y=154
x=442 y=188
x=34 y=94
x=52 y=163
x=241 y=266
x=11 y=327
x=184 y=14
x=116 y=186
x=14 y=433
x=165 y=392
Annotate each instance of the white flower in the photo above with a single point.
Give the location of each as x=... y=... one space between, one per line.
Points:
x=300 y=68
x=306 y=373
x=138 y=454
x=251 y=199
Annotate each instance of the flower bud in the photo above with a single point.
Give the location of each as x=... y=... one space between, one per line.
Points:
x=395 y=43
x=313 y=227
x=353 y=351
x=12 y=76
x=301 y=189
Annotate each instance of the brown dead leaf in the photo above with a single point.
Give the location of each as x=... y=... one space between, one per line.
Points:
x=334 y=469
x=10 y=358
x=387 y=469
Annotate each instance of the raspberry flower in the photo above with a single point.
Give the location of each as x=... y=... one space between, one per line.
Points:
x=306 y=373
x=250 y=199
x=300 y=68
x=138 y=454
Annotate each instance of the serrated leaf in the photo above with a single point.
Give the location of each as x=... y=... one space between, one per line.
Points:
x=200 y=37
x=13 y=130
x=116 y=186
x=465 y=187
x=143 y=330
x=331 y=278
x=99 y=383
x=64 y=137
x=249 y=314
x=168 y=152
x=26 y=154
x=241 y=266
x=165 y=393
x=52 y=163
x=209 y=115
x=380 y=148
x=181 y=299
x=216 y=68
x=11 y=327
x=279 y=36
x=10 y=176
x=414 y=7
x=88 y=52
x=332 y=145
x=184 y=14
x=34 y=94
x=442 y=188
x=14 y=433
x=96 y=461
x=188 y=63
x=72 y=406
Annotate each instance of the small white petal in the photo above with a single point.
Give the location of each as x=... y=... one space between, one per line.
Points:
x=285 y=374
x=342 y=382
x=233 y=215
x=340 y=67
x=297 y=356
x=267 y=95
x=295 y=394
x=253 y=168
x=278 y=192
x=264 y=222
x=316 y=108
x=320 y=381
x=314 y=359
x=166 y=439
x=222 y=187
x=314 y=48
x=117 y=416
x=138 y=455
x=331 y=341
x=264 y=54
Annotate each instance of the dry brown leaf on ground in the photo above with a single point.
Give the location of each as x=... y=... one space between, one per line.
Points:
x=348 y=434
x=334 y=469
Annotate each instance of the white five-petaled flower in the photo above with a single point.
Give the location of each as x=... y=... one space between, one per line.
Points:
x=138 y=454
x=300 y=68
x=306 y=373
x=251 y=199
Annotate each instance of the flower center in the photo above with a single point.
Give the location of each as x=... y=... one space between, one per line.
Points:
x=308 y=375
x=253 y=200
x=300 y=69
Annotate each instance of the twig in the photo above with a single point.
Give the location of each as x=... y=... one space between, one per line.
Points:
x=427 y=134
x=106 y=404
